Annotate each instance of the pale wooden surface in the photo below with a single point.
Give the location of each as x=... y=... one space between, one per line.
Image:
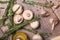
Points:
x=45 y=25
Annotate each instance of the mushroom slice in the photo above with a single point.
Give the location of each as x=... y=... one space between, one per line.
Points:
x=54 y=22
x=34 y=25
x=18 y=19
x=27 y=14
x=37 y=37
x=17 y=8
x=4 y=28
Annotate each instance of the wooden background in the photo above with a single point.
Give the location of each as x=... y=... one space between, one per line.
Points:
x=44 y=21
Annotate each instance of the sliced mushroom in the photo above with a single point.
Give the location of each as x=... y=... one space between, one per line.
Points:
x=34 y=25
x=27 y=14
x=54 y=22
x=17 y=8
x=4 y=28
x=37 y=37
x=18 y=19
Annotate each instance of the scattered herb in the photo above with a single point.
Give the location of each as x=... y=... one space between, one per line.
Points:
x=48 y=5
x=16 y=27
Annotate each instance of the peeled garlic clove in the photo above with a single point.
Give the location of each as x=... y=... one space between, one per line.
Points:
x=4 y=28
x=56 y=38
x=37 y=37
x=18 y=8
x=27 y=14
x=18 y=19
x=34 y=25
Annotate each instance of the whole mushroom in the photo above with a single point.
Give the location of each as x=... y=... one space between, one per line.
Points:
x=27 y=14
x=34 y=25
x=18 y=9
x=18 y=19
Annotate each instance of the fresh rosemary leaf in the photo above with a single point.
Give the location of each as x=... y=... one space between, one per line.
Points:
x=48 y=5
x=16 y=27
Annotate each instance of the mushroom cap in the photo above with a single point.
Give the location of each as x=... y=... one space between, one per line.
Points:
x=18 y=19
x=37 y=37
x=34 y=25
x=15 y=8
x=27 y=14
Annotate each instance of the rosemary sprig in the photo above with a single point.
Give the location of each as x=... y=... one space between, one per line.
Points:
x=5 y=16
x=3 y=2
x=36 y=32
x=48 y=5
x=16 y=27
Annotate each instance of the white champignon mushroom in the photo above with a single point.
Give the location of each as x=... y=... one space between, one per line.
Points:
x=54 y=22
x=18 y=8
x=37 y=37
x=4 y=28
x=34 y=25
x=18 y=19
x=27 y=14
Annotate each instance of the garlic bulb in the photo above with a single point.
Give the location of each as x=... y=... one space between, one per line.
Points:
x=27 y=14
x=18 y=8
x=37 y=37
x=4 y=28
x=34 y=25
x=18 y=19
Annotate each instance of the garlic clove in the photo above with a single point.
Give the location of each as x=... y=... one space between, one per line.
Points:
x=18 y=19
x=34 y=25
x=27 y=14
x=18 y=8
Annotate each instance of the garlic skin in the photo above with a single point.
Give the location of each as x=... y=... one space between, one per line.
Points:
x=15 y=7
x=54 y=22
x=4 y=28
x=34 y=25
x=27 y=14
x=18 y=19
x=37 y=37
x=44 y=13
